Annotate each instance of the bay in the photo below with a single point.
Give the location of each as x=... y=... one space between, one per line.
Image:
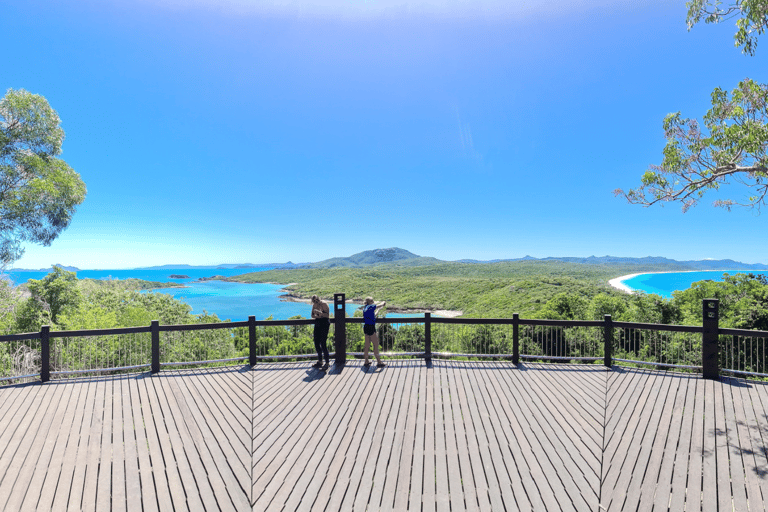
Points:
x=664 y=283
x=228 y=301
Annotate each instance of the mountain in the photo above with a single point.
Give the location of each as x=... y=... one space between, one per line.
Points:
x=65 y=267
x=392 y=255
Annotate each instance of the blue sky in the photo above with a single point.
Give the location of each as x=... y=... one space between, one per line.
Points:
x=231 y=131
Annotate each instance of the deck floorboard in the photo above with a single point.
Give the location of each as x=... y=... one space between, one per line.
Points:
x=453 y=435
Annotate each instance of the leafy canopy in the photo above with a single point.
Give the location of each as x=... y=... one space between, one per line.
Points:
x=38 y=191
x=730 y=148
x=751 y=19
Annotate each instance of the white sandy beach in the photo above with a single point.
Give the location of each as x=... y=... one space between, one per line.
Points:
x=617 y=282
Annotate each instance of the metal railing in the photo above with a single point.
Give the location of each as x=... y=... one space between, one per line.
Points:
x=707 y=348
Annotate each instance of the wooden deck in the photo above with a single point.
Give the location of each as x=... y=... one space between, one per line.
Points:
x=457 y=436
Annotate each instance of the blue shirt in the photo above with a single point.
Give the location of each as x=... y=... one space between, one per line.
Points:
x=369 y=314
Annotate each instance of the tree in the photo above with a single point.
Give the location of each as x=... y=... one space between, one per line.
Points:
x=733 y=145
x=38 y=191
x=751 y=19
x=57 y=290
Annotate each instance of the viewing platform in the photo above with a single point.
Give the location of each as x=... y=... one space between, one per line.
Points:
x=416 y=435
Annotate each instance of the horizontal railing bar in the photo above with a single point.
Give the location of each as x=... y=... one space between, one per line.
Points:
x=666 y=365
x=296 y=356
x=561 y=358
x=658 y=327
x=98 y=332
x=390 y=354
x=743 y=332
x=208 y=361
x=100 y=370
x=739 y=372
x=21 y=377
x=20 y=337
x=202 y=327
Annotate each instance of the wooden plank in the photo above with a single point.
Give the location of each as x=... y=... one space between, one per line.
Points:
x=495 y=395
x=131 y=461
x=104 y=460
x=419 y=440
x=345 y=488
x=120 y=495
x=90 y=474
x=228 y=476
x=209 y=474
x=442 y=488
x=428 y=486
x=683 y=451
x=709 y=468
x=617 y=479
x=456 y=489
x=268 y=453
x=537 y=489
x=168 y=488
x=695 y=461
x=277 y=481
x=20 y=417
x=70 y=489
x=656 y=495
x=749 y=446
x=757 y=418
x=66 y=445
x=46 y=466
x=732 y=440
x=29 y=453
x=567 y=472
x=334 y=484
x=642 y=449
x=196 y=488
x=367 y=469
x=149 y=494
x=384 y=484
x=330 y=439
x=577 y=434
x=498 y=483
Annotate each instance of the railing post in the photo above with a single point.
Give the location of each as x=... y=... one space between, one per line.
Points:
x=428 y=338
x=710 y=357
x=608 y=341
x=340 y=328
x=252 y=340
x=45 y=353
x=515 y=339
x=154 y=328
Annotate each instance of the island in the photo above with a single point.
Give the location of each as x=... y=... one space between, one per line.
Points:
x=178 y=276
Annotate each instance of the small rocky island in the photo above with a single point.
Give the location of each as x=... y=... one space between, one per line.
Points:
x=178 y=276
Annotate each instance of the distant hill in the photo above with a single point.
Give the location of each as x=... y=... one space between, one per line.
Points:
x=65 y=267
x=393 y=255
x=658 y=261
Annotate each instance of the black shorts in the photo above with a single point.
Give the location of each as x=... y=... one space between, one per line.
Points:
x=369 y=329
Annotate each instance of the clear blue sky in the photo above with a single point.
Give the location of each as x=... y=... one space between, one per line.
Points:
x=216 y=131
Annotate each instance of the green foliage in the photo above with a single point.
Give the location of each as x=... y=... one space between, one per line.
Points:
x=751 y=19
x=38 y=192
x=732 y=148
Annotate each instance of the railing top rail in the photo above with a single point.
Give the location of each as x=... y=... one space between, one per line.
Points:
x=20 y=337
x=747 y=333
x=98 y=332
x=659 y=327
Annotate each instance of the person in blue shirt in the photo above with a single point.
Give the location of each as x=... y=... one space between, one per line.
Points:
x=369 y=328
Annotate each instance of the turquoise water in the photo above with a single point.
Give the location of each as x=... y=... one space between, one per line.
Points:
x=665 y=283
x=229 y=301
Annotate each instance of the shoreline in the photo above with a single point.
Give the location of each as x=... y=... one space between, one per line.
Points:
x=444 y=313
x=617 y=283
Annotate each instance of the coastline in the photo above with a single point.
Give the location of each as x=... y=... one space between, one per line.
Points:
x=445 y=313
x=617 y=283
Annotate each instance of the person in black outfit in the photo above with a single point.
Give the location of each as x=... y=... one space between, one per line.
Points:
x=322 y=316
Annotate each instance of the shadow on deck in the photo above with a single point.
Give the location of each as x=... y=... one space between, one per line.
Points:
x=457 y=435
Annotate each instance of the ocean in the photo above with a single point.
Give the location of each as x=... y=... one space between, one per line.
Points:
x=665 y=283
x=229 y=301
